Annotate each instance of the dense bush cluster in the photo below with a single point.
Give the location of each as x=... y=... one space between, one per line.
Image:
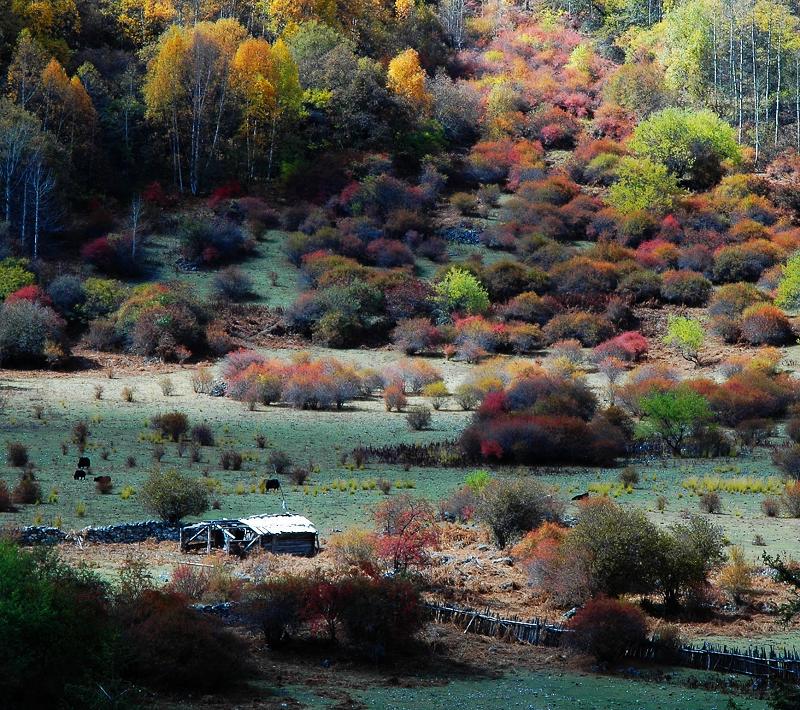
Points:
x=303 y=383
x=615 y=551
x=374 y=616
x=536 y=419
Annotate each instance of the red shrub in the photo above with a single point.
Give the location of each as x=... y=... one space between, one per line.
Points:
x=554 y=127
x=155 y=194
x=753 y=395
x=407 y=532
x=31 y=293
x=161 y=636
x=410 y=298
x=382 y=615
x=227 y=191
x=657 y=254
x=111 y=254
x=606 y=628
x=629 y=346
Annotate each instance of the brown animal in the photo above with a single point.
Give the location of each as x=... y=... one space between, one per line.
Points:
x=79 y=475
x=102 y=479
x=581 y=496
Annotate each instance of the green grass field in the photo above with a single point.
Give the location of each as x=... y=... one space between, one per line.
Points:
x=539 y=691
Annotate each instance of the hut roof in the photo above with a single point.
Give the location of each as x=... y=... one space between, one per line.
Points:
x=281 y=523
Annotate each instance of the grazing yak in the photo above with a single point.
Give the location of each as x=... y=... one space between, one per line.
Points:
x=79 y=475
x=102 y=479
x=272 y=484
x=83 y=462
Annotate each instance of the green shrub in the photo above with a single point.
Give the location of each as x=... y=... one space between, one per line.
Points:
x=642 y=185
x=173 y=424
x=56 y=631
x=30 y=334
x=173 y=496
x=460 y=291
x=418 y=418
x=14 y=275
x=511 y=508
x=693 y=145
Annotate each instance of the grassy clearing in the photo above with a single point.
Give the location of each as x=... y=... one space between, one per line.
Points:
x=554 y=691
x=269 y=259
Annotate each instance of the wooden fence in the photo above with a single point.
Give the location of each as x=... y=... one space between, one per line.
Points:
x=764 y=662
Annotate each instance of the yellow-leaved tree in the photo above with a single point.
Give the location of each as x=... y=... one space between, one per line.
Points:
x=266 y=79
x=406 y=78
x=187 y=91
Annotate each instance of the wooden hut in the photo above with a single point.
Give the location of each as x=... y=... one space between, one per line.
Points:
x=284 y=533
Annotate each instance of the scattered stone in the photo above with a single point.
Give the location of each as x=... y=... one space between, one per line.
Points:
x=503 y=561
x=461 y=235
x=218 y=389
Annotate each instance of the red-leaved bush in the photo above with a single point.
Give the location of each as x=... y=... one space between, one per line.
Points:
x=629 y=346
x=607 y=628
x=31 y=293
x=407 y=532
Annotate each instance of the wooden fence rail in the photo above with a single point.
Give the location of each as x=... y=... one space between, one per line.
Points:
x=766 y=662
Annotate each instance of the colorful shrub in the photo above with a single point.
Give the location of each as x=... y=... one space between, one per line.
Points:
x=583 y=278
x=640 y=285
x=416 y=335
x=765 y=324
x=32 y=293
x=589 y=329
x=31 y=335
x=491 y=161
x=744 y=262
x=607 y=629
x=530 y=308
x=657 y=254
x=537 y=440
x=685 y=287
x=388 y=253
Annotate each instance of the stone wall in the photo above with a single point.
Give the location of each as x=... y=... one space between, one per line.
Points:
x=122 y=532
